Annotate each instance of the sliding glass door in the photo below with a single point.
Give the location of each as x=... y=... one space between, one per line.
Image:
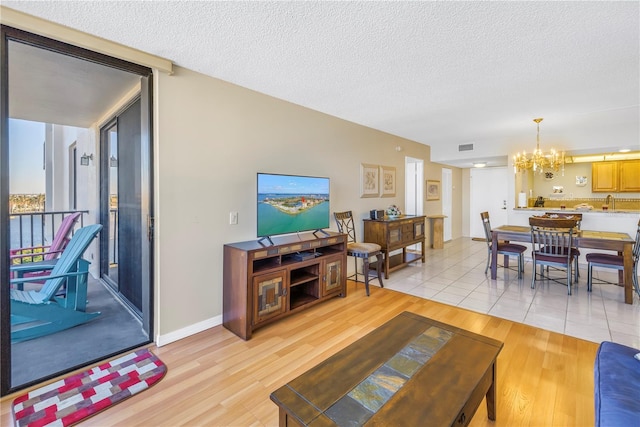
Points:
x=95 y=161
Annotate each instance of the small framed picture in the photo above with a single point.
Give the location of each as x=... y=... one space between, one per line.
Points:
x=433 y=190
x=369 y=180
x=388 y=181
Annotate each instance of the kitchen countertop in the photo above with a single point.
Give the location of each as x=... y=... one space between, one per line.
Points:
x=623 y=211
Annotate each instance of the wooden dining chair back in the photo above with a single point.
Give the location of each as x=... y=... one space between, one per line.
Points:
x=504 y=248
x=552 y=243
x=578 y=218
x=566 y=215
x=364 y=251
x=614 y=261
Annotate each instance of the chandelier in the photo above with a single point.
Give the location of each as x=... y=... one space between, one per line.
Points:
x=539 y=160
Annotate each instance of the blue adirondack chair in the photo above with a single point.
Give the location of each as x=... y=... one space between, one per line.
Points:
x=43 y=312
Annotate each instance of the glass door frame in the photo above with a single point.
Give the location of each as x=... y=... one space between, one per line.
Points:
x=105 y=203
x=9 y=34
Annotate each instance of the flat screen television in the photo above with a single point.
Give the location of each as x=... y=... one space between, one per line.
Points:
x=291 y=204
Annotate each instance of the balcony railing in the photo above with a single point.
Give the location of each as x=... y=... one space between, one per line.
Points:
x=36 y=228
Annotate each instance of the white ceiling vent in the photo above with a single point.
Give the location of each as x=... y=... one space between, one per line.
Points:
x=465 y=147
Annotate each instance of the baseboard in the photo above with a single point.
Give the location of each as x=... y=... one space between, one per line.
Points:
x=188 y=331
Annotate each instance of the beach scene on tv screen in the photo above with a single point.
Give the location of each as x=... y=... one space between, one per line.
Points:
x=288 y=204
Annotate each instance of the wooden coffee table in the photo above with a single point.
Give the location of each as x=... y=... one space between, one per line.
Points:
x=407 y=371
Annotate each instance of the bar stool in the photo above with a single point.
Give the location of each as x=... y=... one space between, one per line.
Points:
x=364 y=251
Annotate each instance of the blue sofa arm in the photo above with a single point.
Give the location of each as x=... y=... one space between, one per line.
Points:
x=617 y=385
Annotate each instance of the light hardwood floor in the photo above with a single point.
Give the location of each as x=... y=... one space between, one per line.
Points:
x=216 y=379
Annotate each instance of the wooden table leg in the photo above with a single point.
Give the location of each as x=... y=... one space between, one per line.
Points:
x=621 y=272
x=628 y=273
x=494 y=255
x=491 y=396
x=386 y=264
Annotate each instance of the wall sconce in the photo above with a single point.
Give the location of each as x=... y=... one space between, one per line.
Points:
x=84 y=160
x=113 y=161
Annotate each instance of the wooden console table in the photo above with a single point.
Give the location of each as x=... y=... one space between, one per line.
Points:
x=394 y=234
x=411 y=371
x=263 y=283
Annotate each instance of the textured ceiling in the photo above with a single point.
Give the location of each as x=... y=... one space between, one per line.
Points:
x=441 y=73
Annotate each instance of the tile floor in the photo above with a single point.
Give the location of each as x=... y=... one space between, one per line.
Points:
x=455 y=275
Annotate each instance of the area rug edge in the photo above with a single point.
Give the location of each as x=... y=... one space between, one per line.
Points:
x=77 y=397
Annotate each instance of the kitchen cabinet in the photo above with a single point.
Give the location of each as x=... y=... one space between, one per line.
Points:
x=630 y=176
x=620 y=177
x=604 y=177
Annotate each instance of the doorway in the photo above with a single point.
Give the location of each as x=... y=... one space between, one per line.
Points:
x=413 y=186
x=413 y=189
x=447 y=202
x=494 y=201
x=31 y=90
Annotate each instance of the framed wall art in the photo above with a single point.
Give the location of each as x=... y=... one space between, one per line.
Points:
x=369 y=180
x=433 y=190
x=387 y=181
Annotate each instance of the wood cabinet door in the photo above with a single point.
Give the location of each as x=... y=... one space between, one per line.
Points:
x=630 y=176
x=395 y=235
x=418 y=230
x=407 y=232
x=604 y=176
x=333 y=280
x=269 y=295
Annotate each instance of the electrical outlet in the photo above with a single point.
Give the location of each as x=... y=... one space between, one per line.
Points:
x=233 y=218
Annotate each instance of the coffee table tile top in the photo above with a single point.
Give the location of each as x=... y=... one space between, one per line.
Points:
x=364 y=400
x=444 y=388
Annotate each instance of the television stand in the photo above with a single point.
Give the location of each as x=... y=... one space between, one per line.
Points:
x=262 y=284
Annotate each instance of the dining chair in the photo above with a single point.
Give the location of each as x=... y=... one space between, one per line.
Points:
x=578 y=218
x=364 y=251
x=504 y=248
x=616 y=262
x=552 y=243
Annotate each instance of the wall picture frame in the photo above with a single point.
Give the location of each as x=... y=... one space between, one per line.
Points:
x=387 y=181
x=369 y=180
x=433 y=189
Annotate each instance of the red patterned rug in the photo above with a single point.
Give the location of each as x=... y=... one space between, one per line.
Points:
x=77 y=397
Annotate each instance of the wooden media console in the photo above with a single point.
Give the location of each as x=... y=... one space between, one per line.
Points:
x=263 y=283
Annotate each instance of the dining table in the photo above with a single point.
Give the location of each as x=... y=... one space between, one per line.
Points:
x=621 y=243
